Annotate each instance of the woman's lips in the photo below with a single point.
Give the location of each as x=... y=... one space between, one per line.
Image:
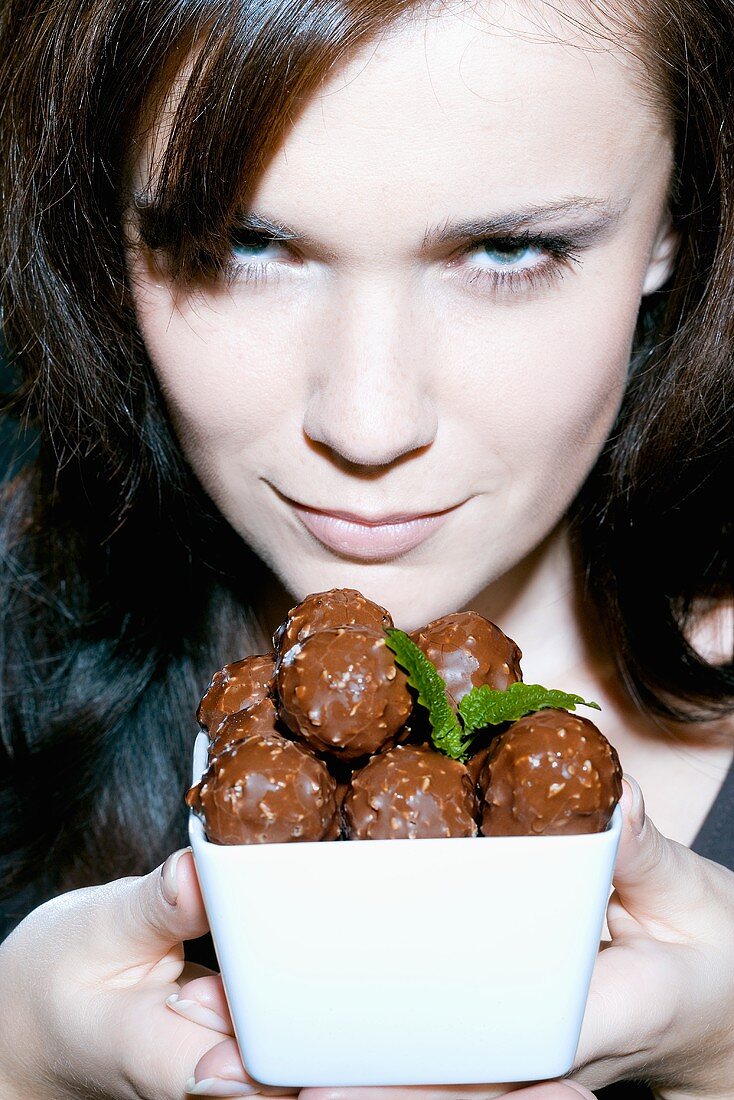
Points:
x=369 y=539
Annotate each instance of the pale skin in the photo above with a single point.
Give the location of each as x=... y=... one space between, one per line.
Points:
x=384 y=380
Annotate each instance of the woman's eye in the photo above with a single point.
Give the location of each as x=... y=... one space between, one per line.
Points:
x=247 y=247
x=503 y=256
x=255 y=257
x=515 y=265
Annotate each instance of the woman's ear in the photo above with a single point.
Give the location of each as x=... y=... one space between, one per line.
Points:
x=662 y=256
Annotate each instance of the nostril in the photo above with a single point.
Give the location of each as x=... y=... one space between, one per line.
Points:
x=359 y=462
x=361 y=443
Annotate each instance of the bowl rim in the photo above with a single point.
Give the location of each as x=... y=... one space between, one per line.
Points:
x=196 y=827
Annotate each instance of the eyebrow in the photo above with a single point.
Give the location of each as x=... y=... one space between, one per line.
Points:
x=586 y=218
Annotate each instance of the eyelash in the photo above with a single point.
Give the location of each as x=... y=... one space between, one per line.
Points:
x=558 y=252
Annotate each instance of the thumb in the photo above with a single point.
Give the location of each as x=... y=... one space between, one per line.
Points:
x=651 y=875
x=139 y=920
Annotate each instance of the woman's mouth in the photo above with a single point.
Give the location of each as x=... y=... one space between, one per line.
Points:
x=367 y=538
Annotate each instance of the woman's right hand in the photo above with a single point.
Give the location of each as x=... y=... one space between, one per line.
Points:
x=85 y=979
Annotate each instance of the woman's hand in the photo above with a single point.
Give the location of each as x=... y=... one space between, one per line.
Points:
x=661 y=1005
x=85 y=980
x=220 y=1072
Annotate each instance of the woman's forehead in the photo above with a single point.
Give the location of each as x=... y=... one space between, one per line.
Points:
x=459 y=107
x=524 y=103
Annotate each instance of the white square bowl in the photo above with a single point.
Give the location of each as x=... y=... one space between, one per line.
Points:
x=391 y=962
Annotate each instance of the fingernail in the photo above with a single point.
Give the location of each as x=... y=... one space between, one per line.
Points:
x=198 y=1014
x=217 y=1086
x=169 y=885
x=636 y=805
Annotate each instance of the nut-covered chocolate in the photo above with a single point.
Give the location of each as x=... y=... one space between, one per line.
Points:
x=411 y=792
x=262 y=717
x=343 y=692
x=475 y=763
x=550 y=773
x=266 y=789
x=468 y=651
x=234 y=688
x=323 y=735
x=328 y=611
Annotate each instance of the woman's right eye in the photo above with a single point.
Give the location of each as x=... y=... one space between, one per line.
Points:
x=255 y=246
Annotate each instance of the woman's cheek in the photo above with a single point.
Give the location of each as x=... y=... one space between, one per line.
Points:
x=551 y=367
x=226 y=383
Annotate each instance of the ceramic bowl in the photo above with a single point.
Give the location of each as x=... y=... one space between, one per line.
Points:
x=390 y=962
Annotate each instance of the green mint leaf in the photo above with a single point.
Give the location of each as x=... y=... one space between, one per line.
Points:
x=446 y=732
x=483 y=706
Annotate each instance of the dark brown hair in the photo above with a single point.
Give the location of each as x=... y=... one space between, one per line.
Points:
x=101 y=657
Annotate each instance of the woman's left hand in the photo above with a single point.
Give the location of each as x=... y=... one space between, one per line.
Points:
x=661 y=1003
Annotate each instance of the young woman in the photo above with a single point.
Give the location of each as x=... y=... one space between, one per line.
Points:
x=432 y=301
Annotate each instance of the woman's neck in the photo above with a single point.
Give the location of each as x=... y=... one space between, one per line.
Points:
x=540 y=605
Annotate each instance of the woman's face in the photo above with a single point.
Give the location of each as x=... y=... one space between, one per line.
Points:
x=405 y=397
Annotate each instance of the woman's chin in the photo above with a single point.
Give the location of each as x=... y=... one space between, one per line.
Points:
x=412 y=595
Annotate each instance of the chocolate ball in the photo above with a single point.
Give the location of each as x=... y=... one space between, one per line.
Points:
x=266 y=789
x=475 y=763
x=550 y=773
x=343 y=692
x=261 y=717
x=328 y=611
x=235 y=687
x=342 y=790
x=411 y=792
x=468 y=651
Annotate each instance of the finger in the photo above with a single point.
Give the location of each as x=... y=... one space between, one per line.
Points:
x=203 y=1001
x=157 y=1050
x=635 y=994
x=209 y=992
x=412 y=1092
x=652 y=876
x=134 y=922
x=220 y=1072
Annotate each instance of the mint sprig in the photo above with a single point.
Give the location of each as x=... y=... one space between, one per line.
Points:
x=482 y=706
x=447 y=734
x=485 y=706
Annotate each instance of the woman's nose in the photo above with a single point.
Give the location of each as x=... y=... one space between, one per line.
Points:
x=370 y=402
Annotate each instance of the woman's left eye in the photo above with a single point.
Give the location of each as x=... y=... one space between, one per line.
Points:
x=501 y=257
x=515 y=264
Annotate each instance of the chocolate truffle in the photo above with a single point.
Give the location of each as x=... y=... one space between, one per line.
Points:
x=475 y=763
x=342 y=790
x=261 y=717
x=235 y=687
x=410 y=792
x=266 y=789
x=328 y=611
x=550 y=773
x=343 y=692
x=468 y=651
